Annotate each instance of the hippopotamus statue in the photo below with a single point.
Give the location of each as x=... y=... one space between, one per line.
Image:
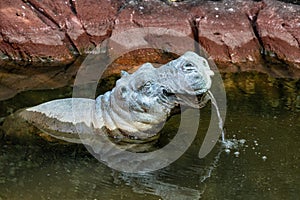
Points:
x=135 y=110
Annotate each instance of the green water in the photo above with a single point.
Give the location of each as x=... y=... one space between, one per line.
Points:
x=262 y=112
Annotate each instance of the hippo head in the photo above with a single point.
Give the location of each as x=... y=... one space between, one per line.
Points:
x=150 y=93
x=186 y=80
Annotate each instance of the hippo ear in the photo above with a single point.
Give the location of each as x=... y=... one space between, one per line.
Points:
x=124 y=73
x=210 y=73
x=207 y=68
x=206 y=65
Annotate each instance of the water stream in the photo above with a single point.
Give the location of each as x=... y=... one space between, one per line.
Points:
x=215 y=104
x=227 y=144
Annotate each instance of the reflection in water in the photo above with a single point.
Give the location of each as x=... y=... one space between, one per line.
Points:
x=150 y=185
x=261 y=162
x=171 y=183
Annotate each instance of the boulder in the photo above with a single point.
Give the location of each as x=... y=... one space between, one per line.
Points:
x=278 y=26
x=225 y=31
x=238 y=35
x=26 y=36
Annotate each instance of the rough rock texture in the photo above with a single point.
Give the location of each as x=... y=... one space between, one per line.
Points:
x=239 y=35
x=278 y=26
x=234 y=33
x=55 y=31
x=153 y=14
x=22 y=78
x=225 y=31
x=97 y=18
x=26 y=35
x=230 y=31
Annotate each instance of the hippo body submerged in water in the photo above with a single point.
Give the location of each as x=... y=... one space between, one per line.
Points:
x=135 y=110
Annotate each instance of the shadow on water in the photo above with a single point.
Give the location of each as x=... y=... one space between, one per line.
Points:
x=262 y=118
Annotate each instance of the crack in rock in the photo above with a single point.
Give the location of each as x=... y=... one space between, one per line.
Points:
x=38 y=8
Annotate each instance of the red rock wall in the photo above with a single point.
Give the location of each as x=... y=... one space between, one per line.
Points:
x=239 y=35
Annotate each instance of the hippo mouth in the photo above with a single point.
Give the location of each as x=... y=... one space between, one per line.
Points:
x=194 y=100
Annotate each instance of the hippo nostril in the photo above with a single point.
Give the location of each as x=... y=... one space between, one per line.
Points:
x=188 y=65
x=188 y=68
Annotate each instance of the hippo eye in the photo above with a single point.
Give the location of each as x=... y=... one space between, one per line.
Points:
x=147 y=87
x=148 y=84
x=188 y=67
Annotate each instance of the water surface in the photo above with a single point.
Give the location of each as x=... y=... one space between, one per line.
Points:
x=262 y=120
